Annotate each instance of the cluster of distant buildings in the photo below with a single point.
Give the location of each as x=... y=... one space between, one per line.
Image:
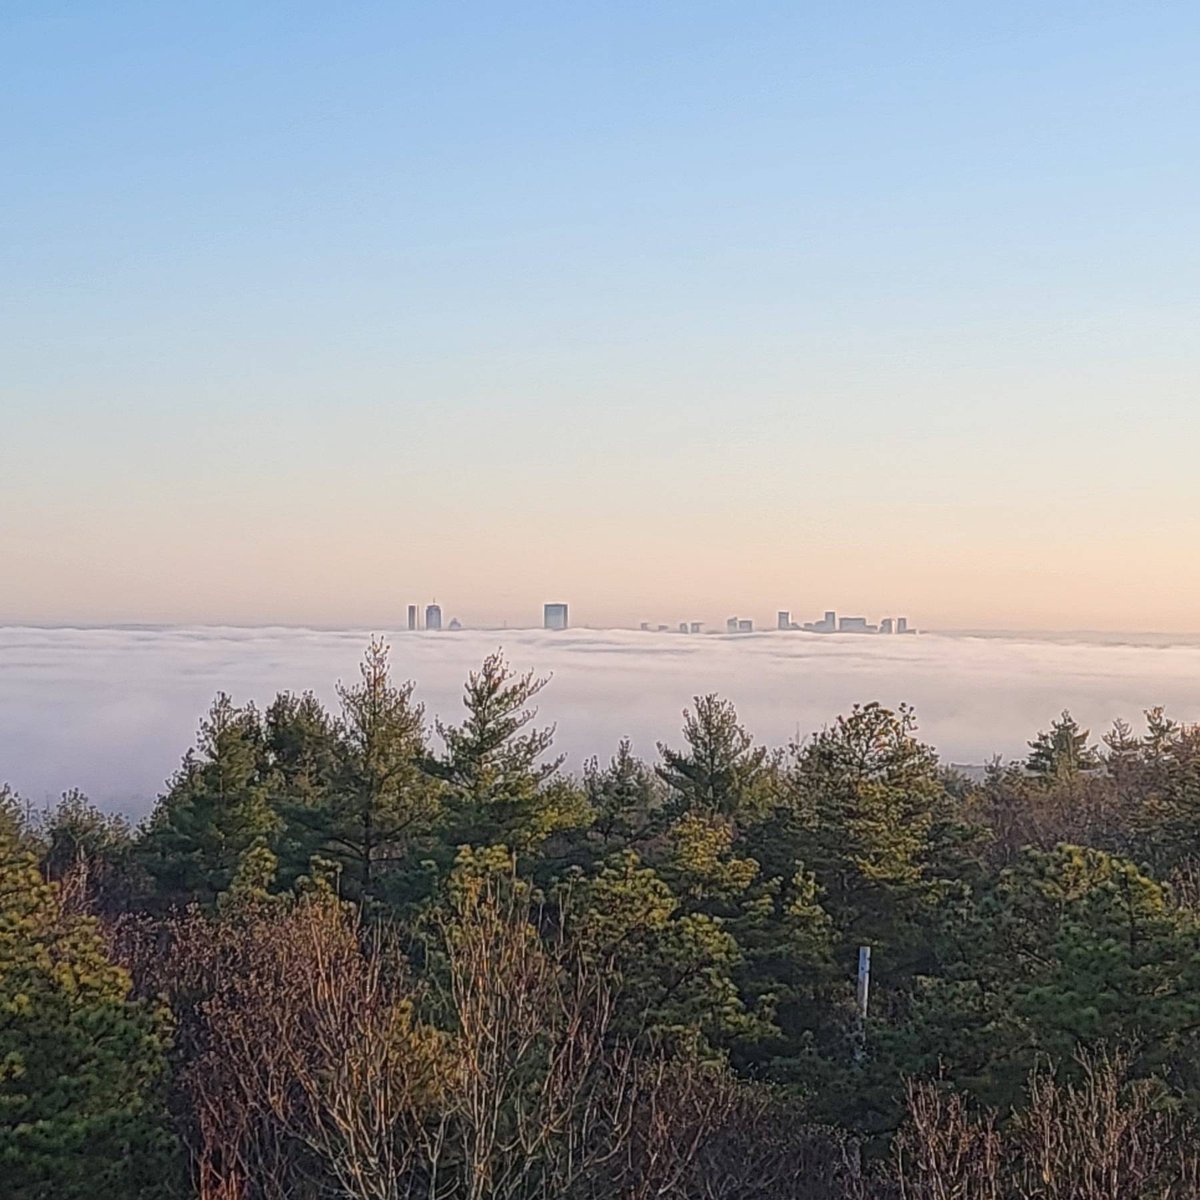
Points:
x=832 y=623
x=556 y=617
x=433 y=618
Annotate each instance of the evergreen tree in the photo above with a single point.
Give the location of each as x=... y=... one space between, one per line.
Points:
x=16 y=821
x=624 y=800
x=1157 y=782
x=217 y=806
x=77 y=837
x=500 y=789
x=870 y=810
x=304 y=753
x=1063 y=750
x=302 y=744
x=623 y=810
x=721 y=772
x=725 y=889
x=253 y=881
x=82 y=1111
x=676 y=965
x=354 y=791
x=1066 y=950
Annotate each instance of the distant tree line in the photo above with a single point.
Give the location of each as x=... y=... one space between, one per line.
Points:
x=350 y=955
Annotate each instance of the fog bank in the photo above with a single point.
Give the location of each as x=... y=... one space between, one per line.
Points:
x=112 y=710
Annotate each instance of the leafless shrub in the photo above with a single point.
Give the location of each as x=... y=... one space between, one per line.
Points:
x=1104 y=1137
x=1184 y=885
x=538 y=1103
x=233 y=981
x=945 y=1152
x=75 y=887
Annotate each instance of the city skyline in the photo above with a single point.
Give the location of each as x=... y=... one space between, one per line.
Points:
x=394 y=621
x=556 y=617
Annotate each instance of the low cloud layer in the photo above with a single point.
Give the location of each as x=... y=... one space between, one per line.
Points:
x=112 y=710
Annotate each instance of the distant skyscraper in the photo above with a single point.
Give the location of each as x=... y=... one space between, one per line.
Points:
x=902 y=625
x=783 y=619
x=696 y=626
x=554 y=616
x=731 y=626
x=745 y=626
x=683 y=627
x=433 y=616
x=645 y=626
x=412 y=616
x=885 y=626
x=853 y=625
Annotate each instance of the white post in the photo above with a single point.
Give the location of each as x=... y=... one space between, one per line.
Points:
x=864 y=980
x=862 y=995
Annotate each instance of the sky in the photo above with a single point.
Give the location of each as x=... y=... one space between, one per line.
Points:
x=112 y=711
x=668 y=310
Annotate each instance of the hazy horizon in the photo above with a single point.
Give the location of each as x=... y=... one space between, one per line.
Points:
x=709 y=628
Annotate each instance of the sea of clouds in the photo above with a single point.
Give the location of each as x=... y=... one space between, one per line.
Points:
x=112 y=710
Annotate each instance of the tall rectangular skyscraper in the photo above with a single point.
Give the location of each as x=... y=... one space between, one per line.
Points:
x=783 y=619
x=433 y=616
x=554 y=616
x=412 y=616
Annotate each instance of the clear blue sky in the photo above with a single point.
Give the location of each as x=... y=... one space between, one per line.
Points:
x=667 y=309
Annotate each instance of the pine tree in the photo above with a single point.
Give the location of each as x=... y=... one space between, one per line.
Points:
x=302 y=746
x=676 y=965
x=218 y=805
x=1063 y=750
x=625 y=801
x=14 y=815
x=868 y=799
x=1064 y=951
x=1157 y=780
x=501 y=789
x=82 y=1111
x=379 y=800
x=77 y=837
x=721 y=772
